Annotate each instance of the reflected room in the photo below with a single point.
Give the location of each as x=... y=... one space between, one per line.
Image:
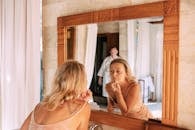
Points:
x=140 y=42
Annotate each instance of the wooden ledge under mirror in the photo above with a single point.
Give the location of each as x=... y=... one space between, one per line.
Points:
x=169 y=10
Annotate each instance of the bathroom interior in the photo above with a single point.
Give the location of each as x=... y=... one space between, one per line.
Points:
x=154 y=36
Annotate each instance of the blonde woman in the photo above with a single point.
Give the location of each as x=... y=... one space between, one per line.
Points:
x=66 y=107
x=124 y=91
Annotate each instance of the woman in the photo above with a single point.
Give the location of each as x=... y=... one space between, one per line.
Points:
x=66 y=107
x=124 y=91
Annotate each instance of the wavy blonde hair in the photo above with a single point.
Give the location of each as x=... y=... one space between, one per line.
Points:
x=69 y=82
x=130 y=78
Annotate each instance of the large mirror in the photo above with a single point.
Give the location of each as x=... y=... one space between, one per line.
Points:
x=140 y=42
x=159 y=38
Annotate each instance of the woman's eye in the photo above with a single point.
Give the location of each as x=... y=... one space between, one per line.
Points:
x=118 y=72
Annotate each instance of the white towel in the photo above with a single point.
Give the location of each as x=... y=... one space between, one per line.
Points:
x=150 y=84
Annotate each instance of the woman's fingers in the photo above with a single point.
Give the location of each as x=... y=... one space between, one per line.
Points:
x=114 y=84
x=86 y=95
x=110 y=108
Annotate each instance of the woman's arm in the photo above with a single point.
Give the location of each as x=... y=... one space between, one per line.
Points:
x=26 y=123
x=111 y=104
x=120 y=100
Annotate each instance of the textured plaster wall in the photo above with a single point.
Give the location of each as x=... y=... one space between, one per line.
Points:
x=186 y=97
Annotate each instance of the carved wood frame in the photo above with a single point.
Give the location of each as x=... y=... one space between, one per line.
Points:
x=170 y=11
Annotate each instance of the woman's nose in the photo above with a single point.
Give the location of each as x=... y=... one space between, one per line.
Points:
x=114 y=74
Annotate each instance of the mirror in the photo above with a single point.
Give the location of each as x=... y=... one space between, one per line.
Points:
x=140 y=42
x=167 y=10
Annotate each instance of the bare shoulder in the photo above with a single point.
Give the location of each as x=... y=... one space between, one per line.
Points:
x=40 y=108
x=84 y=106
x=25 y=125
x=134 y=87
x=85 y=110
x=84 y=117
x=87 y=107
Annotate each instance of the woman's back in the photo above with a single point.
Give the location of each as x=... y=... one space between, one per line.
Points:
x=71 y=115
x=65 y=107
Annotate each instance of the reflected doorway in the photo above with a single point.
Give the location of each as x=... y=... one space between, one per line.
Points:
x=105 y=41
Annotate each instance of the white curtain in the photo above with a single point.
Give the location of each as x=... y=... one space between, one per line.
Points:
x=90 y=51
x=86 y=40
x=131 y=41
x=81 y=36
x=19 y=60
x=157 y=57
x=142 y=65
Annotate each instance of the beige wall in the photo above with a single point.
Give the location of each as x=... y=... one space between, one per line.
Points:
x=186 y=106
x=54 y=8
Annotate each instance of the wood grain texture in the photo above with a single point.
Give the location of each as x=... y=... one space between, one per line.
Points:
x=116 y=120
x=157 y=126
x=60 y=45
x=128 y=12
x=141 y=11
x=170 y=80
x=170 y=62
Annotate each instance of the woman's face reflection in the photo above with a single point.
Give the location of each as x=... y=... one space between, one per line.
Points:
x=117 y=72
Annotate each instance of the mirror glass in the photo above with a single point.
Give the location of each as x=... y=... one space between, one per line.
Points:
x=140 y=42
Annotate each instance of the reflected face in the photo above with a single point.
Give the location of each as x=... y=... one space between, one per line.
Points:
x=113 y=52
x=117 y=72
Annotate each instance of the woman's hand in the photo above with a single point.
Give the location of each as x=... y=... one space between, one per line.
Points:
x=86 y=96
x=110 y=106
x=113 y=89
x=100 y=82
x=116 y=88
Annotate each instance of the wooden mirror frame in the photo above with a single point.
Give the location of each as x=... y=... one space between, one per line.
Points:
x=170 y=11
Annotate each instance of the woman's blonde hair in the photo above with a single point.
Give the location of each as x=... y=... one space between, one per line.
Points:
x=69 y=82
x=130 y=78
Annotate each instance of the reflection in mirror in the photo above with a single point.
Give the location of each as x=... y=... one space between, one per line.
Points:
x=140 y=42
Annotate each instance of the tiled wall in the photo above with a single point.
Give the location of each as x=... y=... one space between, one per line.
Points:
x=54 y=8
